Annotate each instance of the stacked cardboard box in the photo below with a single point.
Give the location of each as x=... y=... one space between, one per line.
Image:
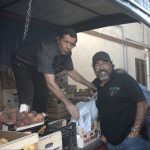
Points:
x=8 y=92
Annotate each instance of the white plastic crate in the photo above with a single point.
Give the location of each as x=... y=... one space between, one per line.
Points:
x=51 y=142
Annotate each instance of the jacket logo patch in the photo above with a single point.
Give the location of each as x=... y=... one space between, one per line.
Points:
x=113 y=91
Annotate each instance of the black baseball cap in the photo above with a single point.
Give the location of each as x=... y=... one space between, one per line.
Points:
x=101 y=56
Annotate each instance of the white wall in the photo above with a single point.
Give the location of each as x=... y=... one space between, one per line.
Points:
x=123 y=56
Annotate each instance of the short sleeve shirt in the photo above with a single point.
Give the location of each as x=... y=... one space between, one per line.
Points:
x=50 y=60
x=117 y=106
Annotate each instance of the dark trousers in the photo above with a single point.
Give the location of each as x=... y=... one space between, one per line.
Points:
x=31 y=86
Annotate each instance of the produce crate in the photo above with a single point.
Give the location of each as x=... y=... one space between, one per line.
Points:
x=5 y=114
x=52 y=141
x=86 y=138
x=8 y=125
x=68 y=132
x=19 y=141
x=57 y=110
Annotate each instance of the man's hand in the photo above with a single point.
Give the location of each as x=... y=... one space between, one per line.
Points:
x=54 y=88
x=134 y=133
x=103 y=139
x=92 y=87
x=92 y=90
x=72 y=109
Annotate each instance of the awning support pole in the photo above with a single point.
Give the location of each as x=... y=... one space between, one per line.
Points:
x=147 y=56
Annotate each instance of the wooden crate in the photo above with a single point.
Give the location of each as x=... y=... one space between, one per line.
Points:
x=86 y=138
x=58 y=115
x=61 y=79
x=71 y=89
x=19 y=140
x=7 y=79
x=51 y=142
x=9 y=98
x=57 y=110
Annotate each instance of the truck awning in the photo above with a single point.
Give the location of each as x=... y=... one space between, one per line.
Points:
x=82 y=15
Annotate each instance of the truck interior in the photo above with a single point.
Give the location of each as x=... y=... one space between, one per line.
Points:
x=79 y=14
x=43 y=18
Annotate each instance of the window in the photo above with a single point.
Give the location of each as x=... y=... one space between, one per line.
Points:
x=144 y=3
x=140 y=67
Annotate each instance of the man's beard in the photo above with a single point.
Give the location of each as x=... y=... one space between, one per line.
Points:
x=104 y=76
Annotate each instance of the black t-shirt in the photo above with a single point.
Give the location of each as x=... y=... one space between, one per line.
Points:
x=117 y=106
x=45 y=56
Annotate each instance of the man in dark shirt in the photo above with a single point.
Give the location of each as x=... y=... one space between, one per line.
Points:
x=35 y=66
x=121 y=105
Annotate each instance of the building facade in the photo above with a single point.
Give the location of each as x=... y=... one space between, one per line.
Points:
x=125 y=43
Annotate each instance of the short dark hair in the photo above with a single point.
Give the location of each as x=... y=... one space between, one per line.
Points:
x=69 y=31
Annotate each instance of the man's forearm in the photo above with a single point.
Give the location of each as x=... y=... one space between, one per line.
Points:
x=78 y=78
x=54 y=88
x=58 y=93
x=141 y=113
x=142 y=108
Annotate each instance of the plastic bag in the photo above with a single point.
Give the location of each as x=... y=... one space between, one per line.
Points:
x=85 y=117
x=88 y=113
x=92 y=107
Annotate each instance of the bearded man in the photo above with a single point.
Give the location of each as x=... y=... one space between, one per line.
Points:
x=122 y=106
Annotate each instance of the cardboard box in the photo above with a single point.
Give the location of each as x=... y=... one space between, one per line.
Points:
x=83 y=142
x=51 y=142
x=86 y=138
x=9 y=98
x=19 y=140
x=7 y=79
